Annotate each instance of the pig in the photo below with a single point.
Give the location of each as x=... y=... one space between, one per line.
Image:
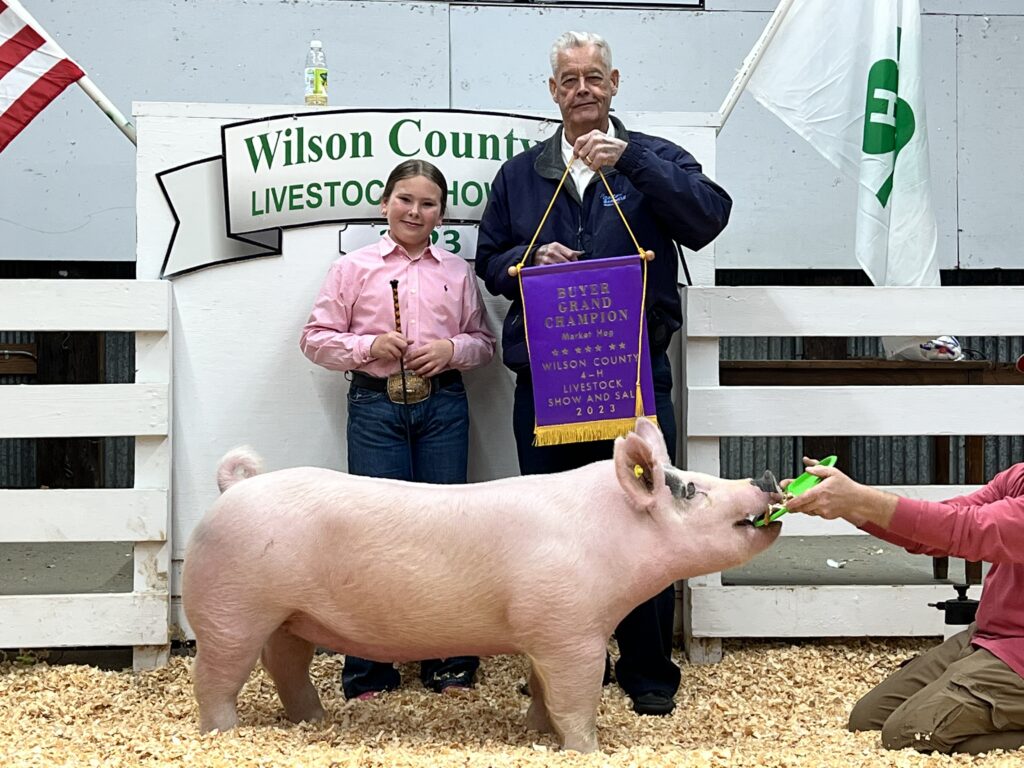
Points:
x=543 y=565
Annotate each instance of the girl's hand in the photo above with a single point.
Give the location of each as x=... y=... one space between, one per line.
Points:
x=389 y=346
x=431 y=358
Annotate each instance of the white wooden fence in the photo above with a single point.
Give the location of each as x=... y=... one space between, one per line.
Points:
x=715 y=611
x=141 y=514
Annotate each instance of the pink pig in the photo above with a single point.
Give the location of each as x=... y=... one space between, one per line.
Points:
x=290 y=560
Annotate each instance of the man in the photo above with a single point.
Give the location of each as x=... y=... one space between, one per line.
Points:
x=666 y=199
x=967 y=694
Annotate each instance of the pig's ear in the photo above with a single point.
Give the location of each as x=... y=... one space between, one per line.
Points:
x=638 y=470
x=651 y=435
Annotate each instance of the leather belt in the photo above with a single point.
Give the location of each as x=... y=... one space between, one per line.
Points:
x=418 y=388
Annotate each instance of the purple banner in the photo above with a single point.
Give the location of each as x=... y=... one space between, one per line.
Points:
x=584 y=321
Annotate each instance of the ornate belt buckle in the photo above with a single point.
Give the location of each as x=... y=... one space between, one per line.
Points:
x=417 y=388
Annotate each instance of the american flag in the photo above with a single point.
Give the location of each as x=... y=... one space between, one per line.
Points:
x=33 y=71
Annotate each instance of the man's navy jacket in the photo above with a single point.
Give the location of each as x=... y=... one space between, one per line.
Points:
x=662 y=192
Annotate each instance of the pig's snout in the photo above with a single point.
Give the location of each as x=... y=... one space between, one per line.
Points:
x=767 y=483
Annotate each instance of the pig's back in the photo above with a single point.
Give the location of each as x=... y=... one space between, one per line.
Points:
x=312 y=523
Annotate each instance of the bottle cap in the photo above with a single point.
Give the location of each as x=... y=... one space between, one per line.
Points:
x=315 y=44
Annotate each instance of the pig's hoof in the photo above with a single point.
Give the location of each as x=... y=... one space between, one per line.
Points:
x=653 y=703
x=581 y=744
x=537 y=719
x=306 y=714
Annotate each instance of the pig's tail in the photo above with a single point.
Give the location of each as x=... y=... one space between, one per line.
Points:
x=238 y=464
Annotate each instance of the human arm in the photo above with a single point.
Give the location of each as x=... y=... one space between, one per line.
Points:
x=326 y=339
x=985 y=525
x=838 y=496
x=870 y=509
x=497 y=246
x=691 y=208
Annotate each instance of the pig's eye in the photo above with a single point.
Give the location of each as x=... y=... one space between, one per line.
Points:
x=691 y=491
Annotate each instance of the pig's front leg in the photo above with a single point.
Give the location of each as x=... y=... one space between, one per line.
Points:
x=570 y=682
x=286 y=658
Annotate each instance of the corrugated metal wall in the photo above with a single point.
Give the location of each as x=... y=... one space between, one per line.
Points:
x=18 y=456
x=119 y=368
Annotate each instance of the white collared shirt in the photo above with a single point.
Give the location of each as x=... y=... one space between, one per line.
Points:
x=578 y=171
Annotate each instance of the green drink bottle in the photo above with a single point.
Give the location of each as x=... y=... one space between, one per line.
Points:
x=316 y=75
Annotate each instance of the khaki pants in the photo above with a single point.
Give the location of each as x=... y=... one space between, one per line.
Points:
x=954 y=698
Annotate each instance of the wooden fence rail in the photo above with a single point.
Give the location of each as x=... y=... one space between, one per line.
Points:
x=141 y=514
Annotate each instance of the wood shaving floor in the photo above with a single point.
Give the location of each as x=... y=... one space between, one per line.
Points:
x=766 y=704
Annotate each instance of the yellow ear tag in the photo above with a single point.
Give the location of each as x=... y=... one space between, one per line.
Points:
x=638 y=471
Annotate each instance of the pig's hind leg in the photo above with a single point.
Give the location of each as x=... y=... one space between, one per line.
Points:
x=286 y=658
x=537 y=715
x=226 y=653
x=217 y=677
x=570 y=684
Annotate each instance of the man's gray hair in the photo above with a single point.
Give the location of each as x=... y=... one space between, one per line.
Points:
x=569 y=40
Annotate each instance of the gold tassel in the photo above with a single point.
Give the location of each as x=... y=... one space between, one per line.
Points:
x=561 y=434
x=639 y=411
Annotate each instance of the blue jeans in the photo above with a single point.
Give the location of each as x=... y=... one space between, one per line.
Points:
x=434 y=450
x=645 y=635
x=427 y=442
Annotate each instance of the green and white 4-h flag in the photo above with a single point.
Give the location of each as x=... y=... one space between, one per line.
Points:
x=846 y=75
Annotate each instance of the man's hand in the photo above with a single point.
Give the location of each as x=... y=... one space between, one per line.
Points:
x=837 y=496
x=431 y=358
x=598 y=150
x=555 y=253
x=389 y=346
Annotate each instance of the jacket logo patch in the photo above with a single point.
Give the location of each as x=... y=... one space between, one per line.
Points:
x=606 y=201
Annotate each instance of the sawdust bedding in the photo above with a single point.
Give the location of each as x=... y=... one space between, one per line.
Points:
x=766 y=704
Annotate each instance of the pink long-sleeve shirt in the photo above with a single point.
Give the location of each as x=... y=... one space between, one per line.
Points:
x=438 y=298
x=987 y=525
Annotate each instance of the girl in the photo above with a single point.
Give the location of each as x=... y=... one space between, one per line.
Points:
x=412 y=425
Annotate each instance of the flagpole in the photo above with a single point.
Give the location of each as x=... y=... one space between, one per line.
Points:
x=84 y=82
x=739 y=83
x=122 y=122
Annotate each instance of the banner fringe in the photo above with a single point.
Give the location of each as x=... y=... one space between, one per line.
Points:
x=584 y=431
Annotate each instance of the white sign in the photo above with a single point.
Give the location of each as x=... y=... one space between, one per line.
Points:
x=315 y=168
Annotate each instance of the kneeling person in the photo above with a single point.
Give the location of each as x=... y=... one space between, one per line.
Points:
x=967 y=694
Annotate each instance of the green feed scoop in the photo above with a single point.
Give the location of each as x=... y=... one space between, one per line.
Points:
x=798 y=486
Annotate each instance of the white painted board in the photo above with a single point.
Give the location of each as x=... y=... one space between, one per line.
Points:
x=52 y=621
x=818 y=611
x=83 y=514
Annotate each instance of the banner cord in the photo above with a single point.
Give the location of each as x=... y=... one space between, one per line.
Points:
x=639 y=408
